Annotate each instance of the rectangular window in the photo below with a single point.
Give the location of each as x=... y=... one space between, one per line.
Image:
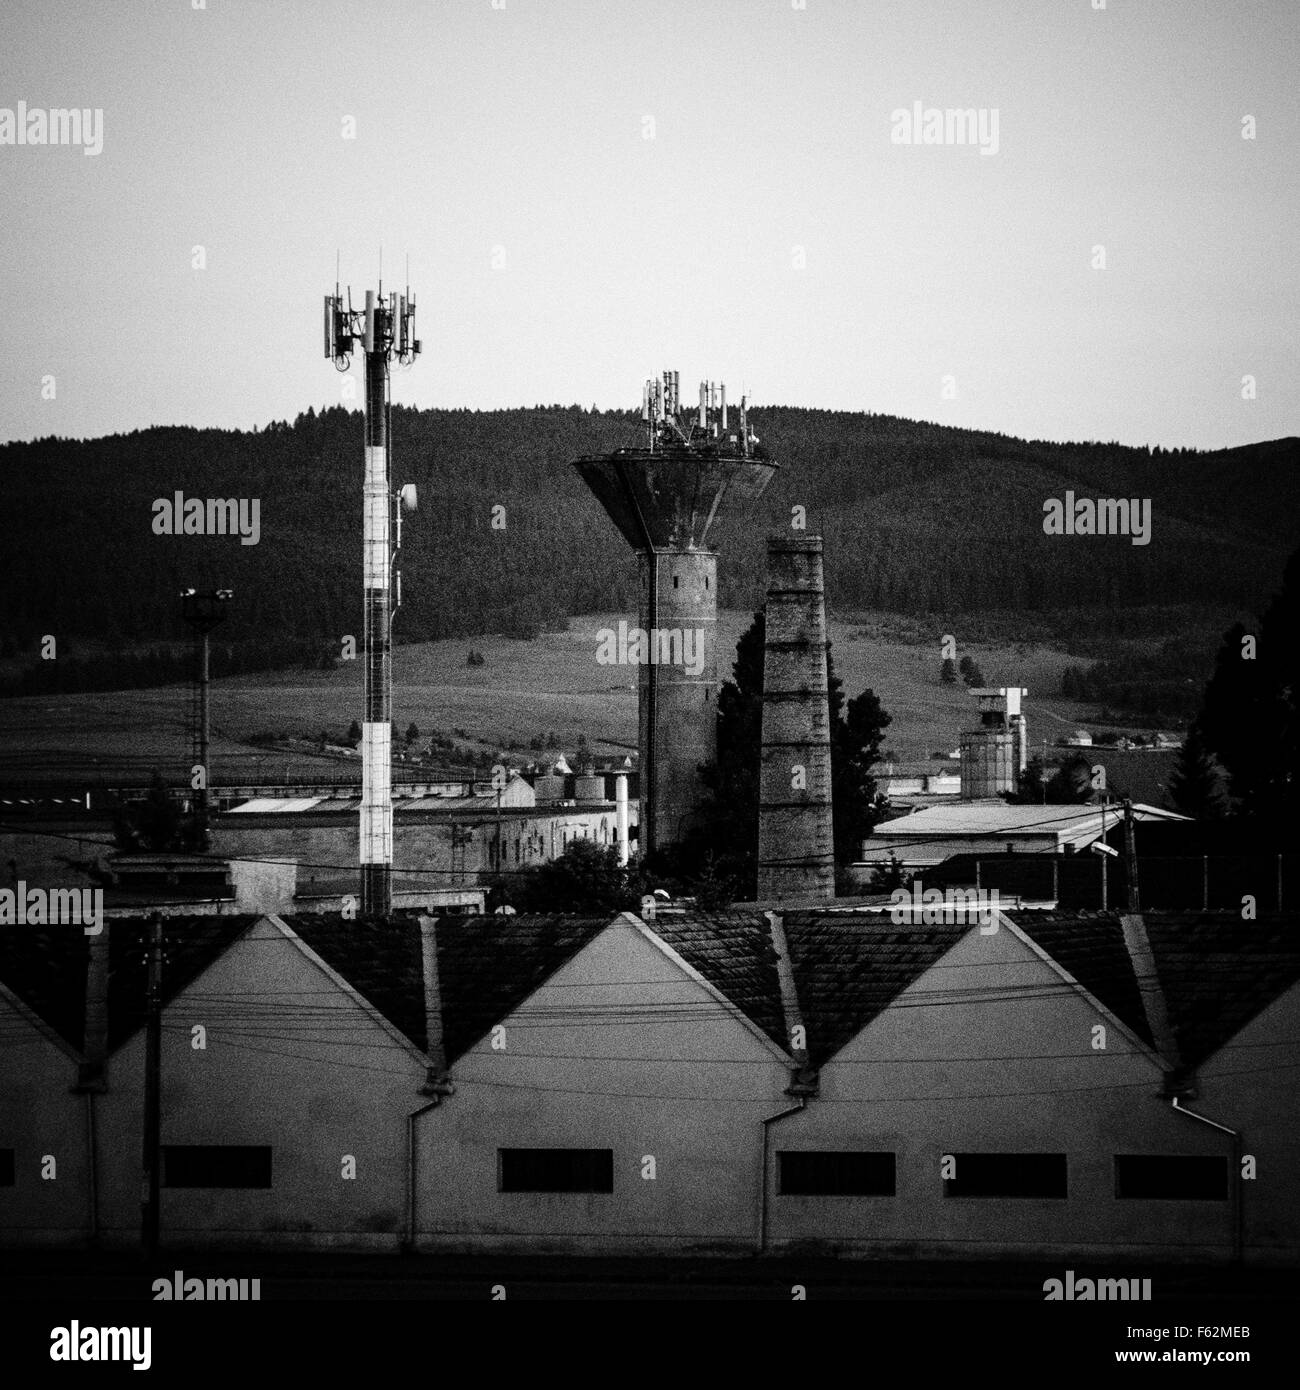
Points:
x=1158 y=1177
x=216 y=1165
x=1007 y=1175
x=6 y=1167
x=808 y=1173
x=555 y=1170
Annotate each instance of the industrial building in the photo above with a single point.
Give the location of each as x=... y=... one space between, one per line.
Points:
x=272 y=848
x=993 y=754
x=1068 y=1086
x=926 y=838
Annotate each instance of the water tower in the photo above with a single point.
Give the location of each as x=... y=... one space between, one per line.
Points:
x=665 y=497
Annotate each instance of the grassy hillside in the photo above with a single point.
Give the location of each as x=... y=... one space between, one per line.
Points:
x=523 y=689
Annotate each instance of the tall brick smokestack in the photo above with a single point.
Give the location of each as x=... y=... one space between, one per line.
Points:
x=796 y=847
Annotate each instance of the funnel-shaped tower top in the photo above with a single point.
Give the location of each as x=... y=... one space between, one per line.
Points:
x=666 y=494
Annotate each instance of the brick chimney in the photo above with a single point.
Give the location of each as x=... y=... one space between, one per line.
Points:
x=796 y=848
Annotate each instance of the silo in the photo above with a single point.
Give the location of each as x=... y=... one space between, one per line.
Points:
x=993 y=754
x=796 y=845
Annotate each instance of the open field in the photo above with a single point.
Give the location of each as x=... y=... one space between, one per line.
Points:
x=524 y=688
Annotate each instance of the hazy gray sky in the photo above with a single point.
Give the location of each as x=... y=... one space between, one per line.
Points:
x=522 y=129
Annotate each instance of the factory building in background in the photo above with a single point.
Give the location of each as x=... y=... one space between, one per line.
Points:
x=993 y=754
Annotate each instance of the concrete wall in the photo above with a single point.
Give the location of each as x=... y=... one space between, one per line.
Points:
x=40 y=1117
x=1250 y=1086
x=292 y=1062
x=681 y=1078
x=326 y=850
x=989 y=1051
x=623 y=1048
x=926 y=849
x=683 y=734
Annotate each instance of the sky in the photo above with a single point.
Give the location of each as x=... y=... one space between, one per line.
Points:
x=590 y=191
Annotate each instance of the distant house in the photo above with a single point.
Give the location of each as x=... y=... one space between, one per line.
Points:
x=1080 y=738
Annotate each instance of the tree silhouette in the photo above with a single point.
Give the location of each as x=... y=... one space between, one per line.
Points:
x=1250 y=719
x=1196 y=784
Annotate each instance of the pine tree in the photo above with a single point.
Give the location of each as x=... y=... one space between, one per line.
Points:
x=1250 y=719
x=1196 y=784
x=948 y=672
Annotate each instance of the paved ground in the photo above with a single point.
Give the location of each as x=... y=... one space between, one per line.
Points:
x=54 y=1276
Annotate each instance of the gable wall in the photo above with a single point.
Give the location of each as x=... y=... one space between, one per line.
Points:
x=681 y=1080
x=291 y=1061
x=40 y=1115
x=936 y=1074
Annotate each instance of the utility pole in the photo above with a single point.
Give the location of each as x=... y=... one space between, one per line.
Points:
x=1130 y=857
x=152 y=1149
x=1105 y=858
x=202 y=611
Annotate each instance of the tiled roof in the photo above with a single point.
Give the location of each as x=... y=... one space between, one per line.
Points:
x=1090 y=945
x=47 y=968
x=382 y=962
x=733 y=951
x=847 y=969
x=190 y=945
x=1218 y=972
x=487 y=966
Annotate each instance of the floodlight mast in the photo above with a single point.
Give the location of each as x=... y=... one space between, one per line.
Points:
x=386 y=330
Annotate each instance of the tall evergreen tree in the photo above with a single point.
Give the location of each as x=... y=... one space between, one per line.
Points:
x=1196 y=784
x=1250 y=719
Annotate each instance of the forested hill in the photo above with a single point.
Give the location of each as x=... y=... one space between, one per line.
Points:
x=917 y=518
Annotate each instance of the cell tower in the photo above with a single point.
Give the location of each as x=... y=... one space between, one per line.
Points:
x=664 y=497
x=386 y=330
